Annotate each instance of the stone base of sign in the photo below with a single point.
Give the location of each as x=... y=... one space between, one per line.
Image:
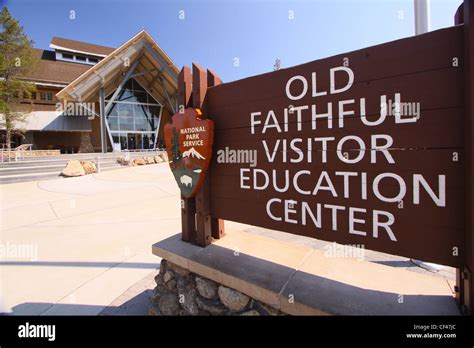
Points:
x=300 y=280
x=180 y=292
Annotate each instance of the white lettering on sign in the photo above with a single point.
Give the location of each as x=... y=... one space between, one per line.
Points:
x=378 y=149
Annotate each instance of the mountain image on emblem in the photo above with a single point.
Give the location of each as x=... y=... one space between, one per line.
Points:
x=192 y=152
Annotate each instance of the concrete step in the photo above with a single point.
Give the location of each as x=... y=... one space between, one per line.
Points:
x=64 y=158
x=42 y=168
x=47 y=166
x=45 y=175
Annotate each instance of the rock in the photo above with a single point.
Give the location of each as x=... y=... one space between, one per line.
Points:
x=159 y=279
x=168 y=276
x=233 y=299
x=123 y=161
x=213 y=307
x=171 y=285
x=155 y=296
x=89 y=167
x=186 y=283
x=189 y=302
x=154 y=309
x=139 y=161
x=158 y=159
x=207 y=288
x=163 y=266
x=73 y=168
x=150 y=160
x=162 y=289
x=178 y=269
x=251 y=313
x=164 y=156
x=169 y=304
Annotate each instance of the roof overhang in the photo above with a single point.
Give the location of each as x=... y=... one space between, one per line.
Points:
x=155 y=71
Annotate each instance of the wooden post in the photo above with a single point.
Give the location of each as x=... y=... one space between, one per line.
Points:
x=466 y=285
x=188 y=205
x=217 y=225
x=203 y=209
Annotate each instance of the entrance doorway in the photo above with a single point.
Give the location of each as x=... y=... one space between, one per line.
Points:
x=134 y=141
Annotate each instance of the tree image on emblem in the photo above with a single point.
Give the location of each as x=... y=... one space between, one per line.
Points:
x=176 y=154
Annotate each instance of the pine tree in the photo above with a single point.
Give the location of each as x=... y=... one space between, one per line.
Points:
x=16 y=59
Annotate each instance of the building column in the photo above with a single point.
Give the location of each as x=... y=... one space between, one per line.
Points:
x=103 y=126
x=86 y=144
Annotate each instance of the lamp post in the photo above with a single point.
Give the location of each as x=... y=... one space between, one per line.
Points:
x=422 y=16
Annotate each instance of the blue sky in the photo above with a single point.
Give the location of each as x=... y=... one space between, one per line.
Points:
x=214 y=33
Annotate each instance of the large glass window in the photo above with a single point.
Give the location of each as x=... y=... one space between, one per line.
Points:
x=134 y=118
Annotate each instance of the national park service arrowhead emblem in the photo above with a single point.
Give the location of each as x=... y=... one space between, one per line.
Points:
x=189 y=141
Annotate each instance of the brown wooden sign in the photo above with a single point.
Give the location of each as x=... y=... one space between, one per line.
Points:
x=189 y=146
x=363 y=148
x=371 y=148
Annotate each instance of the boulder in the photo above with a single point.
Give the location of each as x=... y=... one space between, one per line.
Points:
x=150 y=160
x=164 y=156
x=154 y=309
x=168 y=276
x=155 y=296
x=178 y=269
x=123 y=161
x=233 y=299
x=171 y=285
x=213 y=307
x=169 y=305
x=139 y=161
x=158 y=159
x=188 y=302
x=73 y=168
x=186 y=283
x=206 y=288
x=89 y=167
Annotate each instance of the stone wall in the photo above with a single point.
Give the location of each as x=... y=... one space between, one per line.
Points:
x=180 y=292
x=86 y=144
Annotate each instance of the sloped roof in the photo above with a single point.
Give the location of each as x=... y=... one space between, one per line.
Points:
x=162 y=72
x=48 y=69
x=79 y=46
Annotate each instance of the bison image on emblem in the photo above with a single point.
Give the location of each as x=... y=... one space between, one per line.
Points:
x=186 y=180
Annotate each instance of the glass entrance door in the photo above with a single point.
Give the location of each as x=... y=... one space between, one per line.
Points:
x=134 y=141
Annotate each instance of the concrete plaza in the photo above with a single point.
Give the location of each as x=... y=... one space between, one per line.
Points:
x=76 y=245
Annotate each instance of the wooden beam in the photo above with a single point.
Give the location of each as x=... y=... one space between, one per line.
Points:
x=188 y=205
x=167 y=95
x=217 y=225
x=120 y=86
x=161 y=61
x=143 y=73
x=199 y=85
x=203 y=207
x=185 y=87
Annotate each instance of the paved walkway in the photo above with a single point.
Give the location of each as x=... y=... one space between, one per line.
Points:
x=82 y=246
x=74 y=246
